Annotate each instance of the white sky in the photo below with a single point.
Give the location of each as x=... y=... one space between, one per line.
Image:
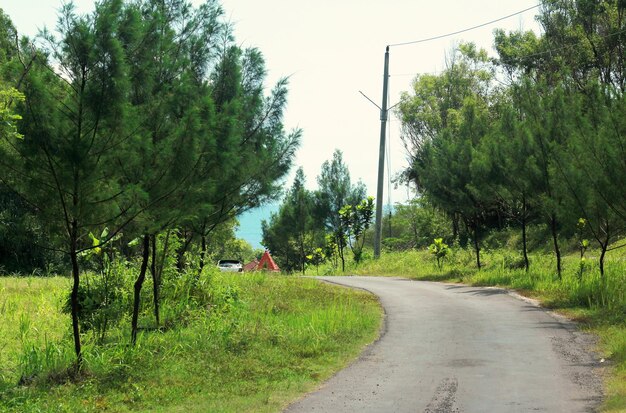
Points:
x=332 y=49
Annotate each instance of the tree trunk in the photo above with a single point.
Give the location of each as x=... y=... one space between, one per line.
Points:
x=555 y=239
x=525 y=236
x=604 y=245
x=74 y=296
x=455 y=226
x=302 y=257
x=106 y=272
x=476 y=246
x=602 y=254
x=343 y=261
x=525 y=245
x=155 y=280
x=159 y=277
x=202 y=254
x=180 y=258
x=138 y=284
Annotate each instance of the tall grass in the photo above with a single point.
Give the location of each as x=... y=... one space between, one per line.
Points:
x=234 y=343
x=31 y=327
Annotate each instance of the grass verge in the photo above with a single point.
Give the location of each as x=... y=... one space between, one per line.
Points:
x=263 y=341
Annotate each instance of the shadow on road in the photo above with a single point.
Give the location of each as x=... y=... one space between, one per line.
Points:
x=485 y=292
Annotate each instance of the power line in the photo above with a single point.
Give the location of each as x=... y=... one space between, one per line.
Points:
x=519 y=58
x=464 y=30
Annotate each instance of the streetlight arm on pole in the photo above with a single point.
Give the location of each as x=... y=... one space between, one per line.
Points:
x=373 y=103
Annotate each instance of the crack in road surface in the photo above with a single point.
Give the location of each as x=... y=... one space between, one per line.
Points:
x=458 y=349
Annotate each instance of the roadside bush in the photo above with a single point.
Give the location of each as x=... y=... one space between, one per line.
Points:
x=103 y=299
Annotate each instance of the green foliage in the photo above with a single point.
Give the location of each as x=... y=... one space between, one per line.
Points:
x=21 y=230
x=331 y=249
x=440 y=250
x=223 y=244
x=317 y=258
x=308 y=220
x=8 y=119
x=583 y=244
x=335 y=190
x=445 y=119
x=292 y=233
x=543 y=147
x=102 y=300
x=108 y=127
x=259 y=342
x=414 y=225
x=356 y=221
x=23 y=237
x=102 y=297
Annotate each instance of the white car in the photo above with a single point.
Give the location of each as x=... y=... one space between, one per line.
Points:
x=230 y=265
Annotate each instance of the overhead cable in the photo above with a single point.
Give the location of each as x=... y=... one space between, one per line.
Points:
x=464 y=30
x=520 y=58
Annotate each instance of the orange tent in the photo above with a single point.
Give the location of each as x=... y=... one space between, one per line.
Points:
x=267 y=263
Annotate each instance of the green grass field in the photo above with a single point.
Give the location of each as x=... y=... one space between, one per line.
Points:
x=599 y=305
x=264 y=341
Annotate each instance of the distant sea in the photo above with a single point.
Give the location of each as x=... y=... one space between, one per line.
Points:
x=250 y=224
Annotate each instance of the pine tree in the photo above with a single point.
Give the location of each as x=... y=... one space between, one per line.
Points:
x=444 y=122
x=335 y=190
x=291 y=233
x=74 y=119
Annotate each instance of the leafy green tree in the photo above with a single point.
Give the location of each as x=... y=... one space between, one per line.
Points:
x=440 y=250
x=335 y=190
x=444 y=122
x=506 y=163
x=416 y=223
x=331 y=248
x=223 y=244
x=537 y=99
x=291 y=234
x=252 y=151
x=22 y=235
x=356 y=221
x=592 y=165
x=586 y=38
x=8 y=37
x=580 y=49
x=545 y=120
x=74 y=119
x=317 y=258
x=172 y=109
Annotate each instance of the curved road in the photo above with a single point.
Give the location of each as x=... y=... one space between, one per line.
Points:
x=450 y=348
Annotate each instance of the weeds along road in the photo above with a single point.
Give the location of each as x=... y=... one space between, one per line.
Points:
x=450 y=348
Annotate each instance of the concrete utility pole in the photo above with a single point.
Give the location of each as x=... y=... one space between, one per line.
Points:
x=381 y=161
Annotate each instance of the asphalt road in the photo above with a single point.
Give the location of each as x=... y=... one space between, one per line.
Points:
x=450 y=348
